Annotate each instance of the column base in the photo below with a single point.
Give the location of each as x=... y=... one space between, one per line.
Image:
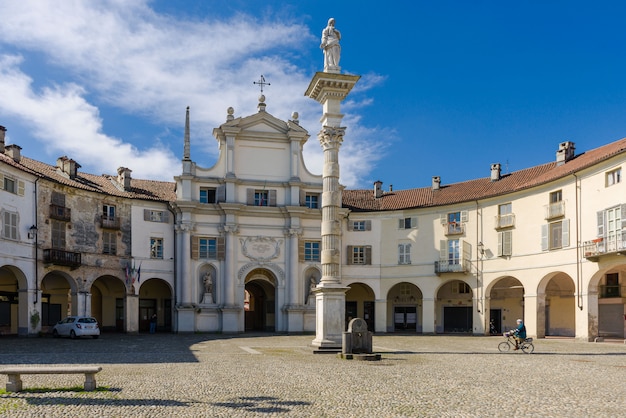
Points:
x=330 y=308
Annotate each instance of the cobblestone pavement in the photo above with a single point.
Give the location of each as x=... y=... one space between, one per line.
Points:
x=199 y=375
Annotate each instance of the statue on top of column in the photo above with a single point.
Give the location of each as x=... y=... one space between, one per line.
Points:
x=331 y=47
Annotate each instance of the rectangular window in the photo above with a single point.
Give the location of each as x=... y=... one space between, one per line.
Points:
x=555 y=235
x=9 y=185
x=9 y=225
x=311 y=201
x=58 y=234
x=454 y=255
x=556 y=196
x=407 y=223
x=207 y=248
x=156 y=248
x=312 y=251
x=464 y=288
x=361 y=254
x=109 y=243
x=505 y=243
x=613 y=177
x=454 y=222
x=261 y=198
x=156 y=215
x=208 y=195
x=108 y=212
x=360 y=225
x=505 y=217
x=404 y=253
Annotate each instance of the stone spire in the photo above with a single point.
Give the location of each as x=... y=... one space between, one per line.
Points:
x=186 y=151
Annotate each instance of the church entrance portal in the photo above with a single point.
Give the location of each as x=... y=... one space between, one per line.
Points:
x=260 y=302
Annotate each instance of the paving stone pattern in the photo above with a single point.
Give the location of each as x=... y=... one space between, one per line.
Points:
x=164 y=375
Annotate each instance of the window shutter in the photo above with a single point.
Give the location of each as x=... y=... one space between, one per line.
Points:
x=352 y=225
x=165 y=218
x=414 y=222
x=1 y=181
x=146 y=214
x=400 y=253
x=250 y=197
x=368 y=255
x=368 y=225
x=623 y=210
x=601 y=223
x=565 y=226
x=464 y=216
x=220 y=193
x=544 y=237
x=272 y=197
x=443 y=218
x=401 y=223
x=301 y=250
x=466 y=251
x=194 y=248
x=407 y=253
x=350 y=253
x=443 y=249
x=500 y=244
x=507 y=243
x=302 y=198
x=221 y=248
x=20 y=188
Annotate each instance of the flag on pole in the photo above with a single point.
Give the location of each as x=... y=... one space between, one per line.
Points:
x=127 y=272
x=139 y=273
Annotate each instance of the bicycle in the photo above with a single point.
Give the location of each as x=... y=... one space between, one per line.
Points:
x=526 y=346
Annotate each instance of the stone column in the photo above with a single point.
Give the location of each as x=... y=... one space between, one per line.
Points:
x=330 y=89
x=428 y=315
x=185 y=308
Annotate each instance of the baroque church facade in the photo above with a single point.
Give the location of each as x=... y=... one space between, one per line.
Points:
x=236 y=247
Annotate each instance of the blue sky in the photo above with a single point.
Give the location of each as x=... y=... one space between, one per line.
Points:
x=447 y=87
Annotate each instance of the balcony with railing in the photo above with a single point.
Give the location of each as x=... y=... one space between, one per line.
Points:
x=615 y=244
x=110 y=222
x=61 y=257
x=60 y=213
x=505 y=221
x=555 y=210
x=452 y=266
x=610 y=291
x=454 y=228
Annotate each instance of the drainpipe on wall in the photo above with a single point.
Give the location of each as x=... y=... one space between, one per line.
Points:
x=579 y=284
x=479 y=262
x=36 y=248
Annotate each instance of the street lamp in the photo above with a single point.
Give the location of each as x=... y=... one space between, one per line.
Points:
x=32 y=232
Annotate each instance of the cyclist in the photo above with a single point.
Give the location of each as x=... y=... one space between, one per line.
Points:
x=519 y=333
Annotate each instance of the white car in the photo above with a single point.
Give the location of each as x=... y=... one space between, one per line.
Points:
x=77 y=326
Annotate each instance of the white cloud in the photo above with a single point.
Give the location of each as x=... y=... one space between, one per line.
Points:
x=124 y=55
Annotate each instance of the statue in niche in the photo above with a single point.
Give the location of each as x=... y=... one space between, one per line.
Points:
x=330 y=46
x=312 y=284
x=207 y=280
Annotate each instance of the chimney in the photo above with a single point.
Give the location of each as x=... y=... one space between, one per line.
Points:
x=123 y=177
x=3 y=131
x=565 y=153
x=436 y=182
x=378 y=189
x=13 y=151
x=390 y=188
x=495 y=171
x=68 y=166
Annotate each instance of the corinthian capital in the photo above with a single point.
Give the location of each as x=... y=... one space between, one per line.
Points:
x=229 y=229
x=331 y=137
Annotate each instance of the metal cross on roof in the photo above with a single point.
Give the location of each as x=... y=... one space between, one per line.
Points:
x=261 y=82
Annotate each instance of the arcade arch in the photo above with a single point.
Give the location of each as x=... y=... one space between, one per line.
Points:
x=59 y=298
x=404 y=308
x=556 y=306
x=607 y=293
x=506 y=302
x=360 y=302
x=12 y=280
x=108 y=304
x=155 y=296
x=454 y=308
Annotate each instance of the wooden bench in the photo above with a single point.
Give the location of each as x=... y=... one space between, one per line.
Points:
x=15 y=383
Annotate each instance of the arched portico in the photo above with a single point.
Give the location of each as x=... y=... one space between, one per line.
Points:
x=506 y=302
x=360 y=301
x=108 y=294
x=60 y=298
x=454 y=308
x=260 y=301
x=404 y=308
x=14 y=314
x=606 y=302
x=155 y=297
x=556 y=306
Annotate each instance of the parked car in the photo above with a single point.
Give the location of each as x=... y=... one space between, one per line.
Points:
x=76 y=326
